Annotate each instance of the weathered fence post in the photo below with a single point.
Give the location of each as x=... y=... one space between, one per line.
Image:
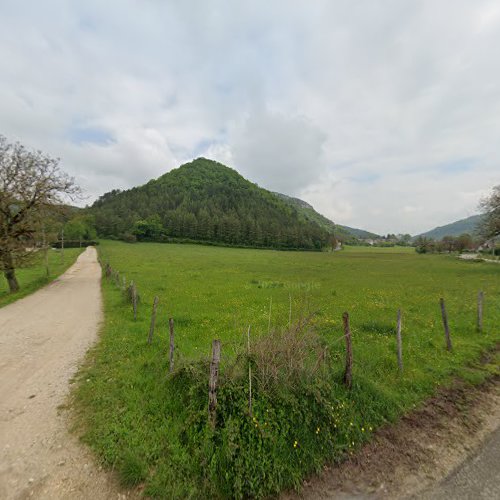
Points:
x=270 y=310
x=124 y=283
x=348 y=361
x=172 y=344
x=108 y=270
x=400 y=346
x=134 y=300
x=153 y=320
x=249 y=373
x=449 y=347
x=480 y=297
x=212 y=384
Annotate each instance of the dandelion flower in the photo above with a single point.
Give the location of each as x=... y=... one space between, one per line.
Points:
x=295 y=443
x=317 y=430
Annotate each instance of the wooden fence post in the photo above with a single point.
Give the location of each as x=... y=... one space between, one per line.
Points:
x=172 y=344
x=449 y=347
x=348 y=361
x=270 y=310
x=400 y=346
x=134 y=300
x=153 y=320
x=249 y=373
x=480 y=297
x=212 y=384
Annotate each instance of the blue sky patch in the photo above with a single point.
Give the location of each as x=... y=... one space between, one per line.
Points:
x=89 y=135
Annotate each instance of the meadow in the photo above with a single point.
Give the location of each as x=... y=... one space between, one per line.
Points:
x=34 y=275
x=152 y=426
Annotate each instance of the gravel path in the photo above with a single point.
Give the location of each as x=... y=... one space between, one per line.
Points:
x=43 y=337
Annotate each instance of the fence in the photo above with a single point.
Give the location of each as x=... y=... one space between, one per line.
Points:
x=132 y=296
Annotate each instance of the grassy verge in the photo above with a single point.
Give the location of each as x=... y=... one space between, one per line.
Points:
x=34 y=276
x=153 y=428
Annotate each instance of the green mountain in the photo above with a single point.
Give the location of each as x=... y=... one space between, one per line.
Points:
x=345 y=233
x=206 y=201
x=468 y=225
x=360 y=233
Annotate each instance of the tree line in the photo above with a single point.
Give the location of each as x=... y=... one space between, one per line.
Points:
x=446 y=244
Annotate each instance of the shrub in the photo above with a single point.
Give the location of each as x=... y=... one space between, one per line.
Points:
x=300 y=416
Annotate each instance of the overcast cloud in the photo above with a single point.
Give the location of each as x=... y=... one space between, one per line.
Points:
x=383 y=115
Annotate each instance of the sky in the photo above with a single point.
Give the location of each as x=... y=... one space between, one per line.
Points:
x=383 y=114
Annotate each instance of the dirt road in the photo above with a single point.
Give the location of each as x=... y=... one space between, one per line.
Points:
x=43 y=338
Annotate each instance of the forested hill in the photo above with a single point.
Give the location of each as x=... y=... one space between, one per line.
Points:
x=205 y=200
x=469 y=225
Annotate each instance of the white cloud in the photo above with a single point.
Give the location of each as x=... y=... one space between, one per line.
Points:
x=280 y=153
x=362 y=108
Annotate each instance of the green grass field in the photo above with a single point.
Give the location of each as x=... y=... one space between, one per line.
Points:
x=152 y=427
x=34 y=276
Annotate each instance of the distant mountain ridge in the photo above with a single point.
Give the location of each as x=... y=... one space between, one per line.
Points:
x=309 y=213
x=468 y=225
x=361 y=233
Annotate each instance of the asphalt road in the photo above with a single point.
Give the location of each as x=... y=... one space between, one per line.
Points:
x=477 y=478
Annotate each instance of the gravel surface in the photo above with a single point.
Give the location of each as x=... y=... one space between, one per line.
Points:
x=43 y=338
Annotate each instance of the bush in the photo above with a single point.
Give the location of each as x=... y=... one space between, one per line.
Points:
x=301 y=416
x=129 y=238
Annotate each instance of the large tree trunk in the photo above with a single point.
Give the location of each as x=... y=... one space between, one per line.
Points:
x=10 y=273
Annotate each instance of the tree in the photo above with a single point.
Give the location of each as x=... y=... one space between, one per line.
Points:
x=80 y=227
x=148 y=230
x=448 y=243
x=464 y=242
x=490 y=206
x=424 y=245
x=32 y=188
